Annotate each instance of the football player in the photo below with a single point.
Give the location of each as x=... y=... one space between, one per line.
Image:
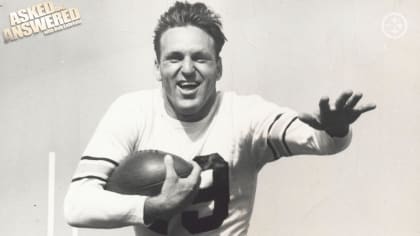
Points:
x=227 y=137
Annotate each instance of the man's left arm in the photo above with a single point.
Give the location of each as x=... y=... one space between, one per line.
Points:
x=326 y=131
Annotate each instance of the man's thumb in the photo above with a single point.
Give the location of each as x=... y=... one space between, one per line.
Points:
x=169 y=165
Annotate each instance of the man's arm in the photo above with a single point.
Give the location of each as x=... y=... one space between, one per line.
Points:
x=336 y=120
x=88 y=204
x=326 y=131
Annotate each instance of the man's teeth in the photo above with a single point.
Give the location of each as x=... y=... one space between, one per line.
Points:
x=188 y=85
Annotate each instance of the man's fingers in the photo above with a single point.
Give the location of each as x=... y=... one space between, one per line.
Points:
x=366 y=108
x=170 y=170
x=194 y=176
x=341 y=101
x=310 y=120
x=324 y=105
x=353 y=100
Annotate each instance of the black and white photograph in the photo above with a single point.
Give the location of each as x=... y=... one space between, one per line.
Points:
x=210 y=118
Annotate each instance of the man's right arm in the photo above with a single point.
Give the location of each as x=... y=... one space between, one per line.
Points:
x=87 y=204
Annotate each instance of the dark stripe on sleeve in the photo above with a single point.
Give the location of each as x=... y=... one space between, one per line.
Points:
x=88 y=177
x=100 y=159
x=273 y=150
x=283 y=138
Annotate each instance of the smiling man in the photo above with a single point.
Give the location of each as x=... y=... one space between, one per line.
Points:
x=227 y=142
x=189 y=67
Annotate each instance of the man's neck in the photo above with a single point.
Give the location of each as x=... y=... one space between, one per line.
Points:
x=194 y=117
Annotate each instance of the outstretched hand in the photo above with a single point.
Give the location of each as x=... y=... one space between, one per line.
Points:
x=336 y=120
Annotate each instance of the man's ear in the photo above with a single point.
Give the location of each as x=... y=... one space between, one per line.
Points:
x=157 y=70
x=219 y=68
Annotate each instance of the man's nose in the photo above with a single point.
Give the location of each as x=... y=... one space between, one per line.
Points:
x=187 y=67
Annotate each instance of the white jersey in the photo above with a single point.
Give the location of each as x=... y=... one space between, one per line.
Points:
x=232 y=143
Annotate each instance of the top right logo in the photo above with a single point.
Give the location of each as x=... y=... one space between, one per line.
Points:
x=394 y=25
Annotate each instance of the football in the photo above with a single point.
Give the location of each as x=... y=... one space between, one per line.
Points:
x=143 y=172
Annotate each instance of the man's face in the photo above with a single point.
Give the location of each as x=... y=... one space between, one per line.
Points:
x=189 y=69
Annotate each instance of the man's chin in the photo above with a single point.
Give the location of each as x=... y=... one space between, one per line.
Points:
x=189 y=112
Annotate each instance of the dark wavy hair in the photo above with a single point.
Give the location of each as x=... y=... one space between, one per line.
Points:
x=184 y=14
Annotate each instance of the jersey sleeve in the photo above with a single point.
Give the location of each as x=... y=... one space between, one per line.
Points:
x=300 y=139
x=257 y=117
x=114 y=138
x=87 y=204
x=277 y=132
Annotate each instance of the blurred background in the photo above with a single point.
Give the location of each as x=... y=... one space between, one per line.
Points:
x=55 y=88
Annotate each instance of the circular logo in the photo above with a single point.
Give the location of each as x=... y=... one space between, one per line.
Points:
x=394 y=25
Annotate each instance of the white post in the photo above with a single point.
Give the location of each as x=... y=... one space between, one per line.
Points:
x=51 y=193
x=74 y=232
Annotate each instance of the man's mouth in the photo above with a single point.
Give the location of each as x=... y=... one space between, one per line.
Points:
x=188 y=87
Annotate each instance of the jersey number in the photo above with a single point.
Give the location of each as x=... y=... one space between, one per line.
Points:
x=218 y=192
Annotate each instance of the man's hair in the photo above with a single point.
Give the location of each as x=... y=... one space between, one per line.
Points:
x=184 y=14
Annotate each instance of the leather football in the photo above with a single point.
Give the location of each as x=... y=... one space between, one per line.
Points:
x=143 y=173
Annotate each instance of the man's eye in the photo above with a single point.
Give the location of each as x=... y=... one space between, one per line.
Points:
x=201 y=60
x=173 y=60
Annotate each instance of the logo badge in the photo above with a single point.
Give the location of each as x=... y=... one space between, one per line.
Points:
x=394 y=25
